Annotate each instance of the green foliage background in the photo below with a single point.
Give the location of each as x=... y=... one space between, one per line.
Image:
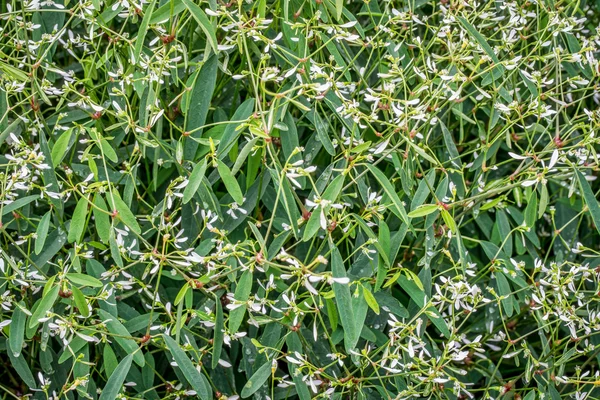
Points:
x=299 y=199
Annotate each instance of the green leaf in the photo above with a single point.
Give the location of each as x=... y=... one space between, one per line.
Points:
x=101 y=219
x=124 y=213
x=531 y=210
x=371 y=301
x=116 y=379
x=389 y=190
x=590 y=199
x=59 y=150
x=334 y=189
x=343 y=299
x=142 y=31
x=449 y=221
x=218 y=334
x=480 y=39
x=80 y=301
x=122 y=336
x=45 y=305
x=256 y=380
x=78 y=221
x=504 y=290
x=323 y=133
x=41 y=232
x=450 y=146
x=232 y=130
x=163 y=13
x=204 y=22
x=17 y=330
x=233 y=188
x=194 y=182
x=242 y=293
x=108 y=151
x=84 y=280
x=22 y=368
x=339 y=8
x=19 y=203
x=191 y=374
x=199 y=103
x=110 y=360
x=181 y=294
x=423 y=210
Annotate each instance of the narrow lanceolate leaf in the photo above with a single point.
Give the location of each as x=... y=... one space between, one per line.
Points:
x=242 y=292
x=233 y=188
x=59 y=150
x=199 y=103
x=139 y=41
x=590 y=199
x=195 y=179
x=101 y=218
x=232 y=131
x=450 y=146
x=339 y=8
x=479 y=37
x=80 y=301
x=17 y=330
x=191 y=374
x=45 y=305
x=84 y=280
x=218 y=335
x=204 y=23
x=423 y=210
x=78 y=221
x=122 y=336
x=42 y=232
x=124 y=213
x=116 y=379
x=398 y=207
x=19 y=364
x=323 y=133
x=256 y=380
x=371 y=301
x=343 y=299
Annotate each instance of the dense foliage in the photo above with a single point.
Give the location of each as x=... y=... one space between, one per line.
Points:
x=299 y=199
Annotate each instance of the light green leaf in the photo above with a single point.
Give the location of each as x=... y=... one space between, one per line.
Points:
x=84 y=280
x=41 y=232
x=233 y=188
x=101 y=219
x=108 y=150
x=45 y=305
x=78 y=221
x=423 y=210
x=370 y=299
x=242 y=292
x=59 y=150
x=80 y=301
x=194 y=182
